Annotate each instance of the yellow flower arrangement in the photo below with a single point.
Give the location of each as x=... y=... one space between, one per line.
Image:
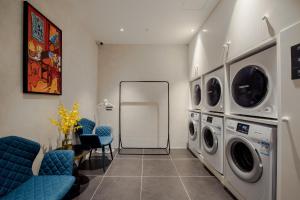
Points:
x=67 y=120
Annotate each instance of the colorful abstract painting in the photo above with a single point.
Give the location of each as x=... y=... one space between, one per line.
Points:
x=42 y=54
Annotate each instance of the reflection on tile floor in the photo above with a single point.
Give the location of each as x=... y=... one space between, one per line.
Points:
x=149 y=177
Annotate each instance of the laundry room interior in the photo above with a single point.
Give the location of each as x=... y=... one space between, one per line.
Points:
x=150 y=100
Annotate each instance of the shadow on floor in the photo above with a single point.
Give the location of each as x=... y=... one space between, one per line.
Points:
x=86 y=173
x=95 y=163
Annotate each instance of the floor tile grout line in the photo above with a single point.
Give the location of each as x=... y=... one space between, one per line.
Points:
x=142 y=173
x=156 y=158
x=157 y=176
x=104 y=175
x=197 y=176
x=169 y=159
x=188 y=195
x=91 y=175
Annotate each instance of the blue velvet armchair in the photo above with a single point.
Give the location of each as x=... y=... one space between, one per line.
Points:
x=17 y=180
x=100 y=139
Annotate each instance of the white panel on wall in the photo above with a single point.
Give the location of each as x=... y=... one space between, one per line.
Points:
x=288 y=178
x=140 y=125
x=144 y=114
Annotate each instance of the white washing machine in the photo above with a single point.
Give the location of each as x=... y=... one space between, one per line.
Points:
x=250 y=163
x=214 y=91
x=213 y=141
x=194 y=143
x=196 y=94
x=253 y=85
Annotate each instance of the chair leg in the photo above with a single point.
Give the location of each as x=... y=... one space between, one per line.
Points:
x=111 y=154
x=90 y=154
x=103 y=158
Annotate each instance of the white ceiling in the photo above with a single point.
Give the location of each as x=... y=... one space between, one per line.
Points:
x=144 y=21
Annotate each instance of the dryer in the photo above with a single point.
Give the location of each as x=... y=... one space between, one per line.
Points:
x=214 y=91
x=194 y=142
x=250 y=161
x=212 y=141
x=196 y=94
x=253 y=85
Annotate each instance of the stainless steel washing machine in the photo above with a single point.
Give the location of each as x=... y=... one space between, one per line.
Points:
x=213 y=141
x=250 y=161
x=214 y=91
x=196 y=94
x=253 y=85
x=194 y=142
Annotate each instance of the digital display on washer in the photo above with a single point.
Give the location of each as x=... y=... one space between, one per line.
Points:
x=242 y=128
x=209 y=119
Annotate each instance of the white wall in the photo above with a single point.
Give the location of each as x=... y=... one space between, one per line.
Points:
x=239 y=21
x=27 y=115
x=146 y=62
x=288 y=137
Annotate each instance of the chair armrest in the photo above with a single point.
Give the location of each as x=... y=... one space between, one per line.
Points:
x=57 y=162
x=90 y=140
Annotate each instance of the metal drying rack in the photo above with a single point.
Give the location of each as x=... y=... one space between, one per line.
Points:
x=165 y=149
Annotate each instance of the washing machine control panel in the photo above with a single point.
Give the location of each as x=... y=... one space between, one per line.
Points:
x=195 y=116
x=243 y=128
x=214 y=121
x=209 y=119
x=254 y=131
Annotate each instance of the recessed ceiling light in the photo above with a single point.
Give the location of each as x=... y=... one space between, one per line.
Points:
x=204 y=30
x=122 y=29
x=192 y=30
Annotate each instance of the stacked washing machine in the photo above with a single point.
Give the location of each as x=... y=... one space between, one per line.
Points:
x=253 y=85
x=214 y=91
x=194 y=133
x=194 y=126
x=250 y=148
x=238 y=142
x=212 y=134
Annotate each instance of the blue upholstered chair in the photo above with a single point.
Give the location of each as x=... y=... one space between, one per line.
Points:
x=87 y=126
x=17 y=181
x=105 y=137
x=100 y=139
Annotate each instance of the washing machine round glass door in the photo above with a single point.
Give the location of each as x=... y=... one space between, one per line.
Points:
x=192 y=130
x=243 y=159
x=197 y=95
x=213 y=88
x=210 y=140
x=249 y=86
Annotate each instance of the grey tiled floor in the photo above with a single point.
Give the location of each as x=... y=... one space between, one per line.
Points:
x=179 y=176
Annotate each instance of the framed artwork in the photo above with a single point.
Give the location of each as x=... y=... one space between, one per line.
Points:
x=42 y=54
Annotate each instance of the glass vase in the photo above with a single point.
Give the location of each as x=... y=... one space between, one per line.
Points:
x=67 y=142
